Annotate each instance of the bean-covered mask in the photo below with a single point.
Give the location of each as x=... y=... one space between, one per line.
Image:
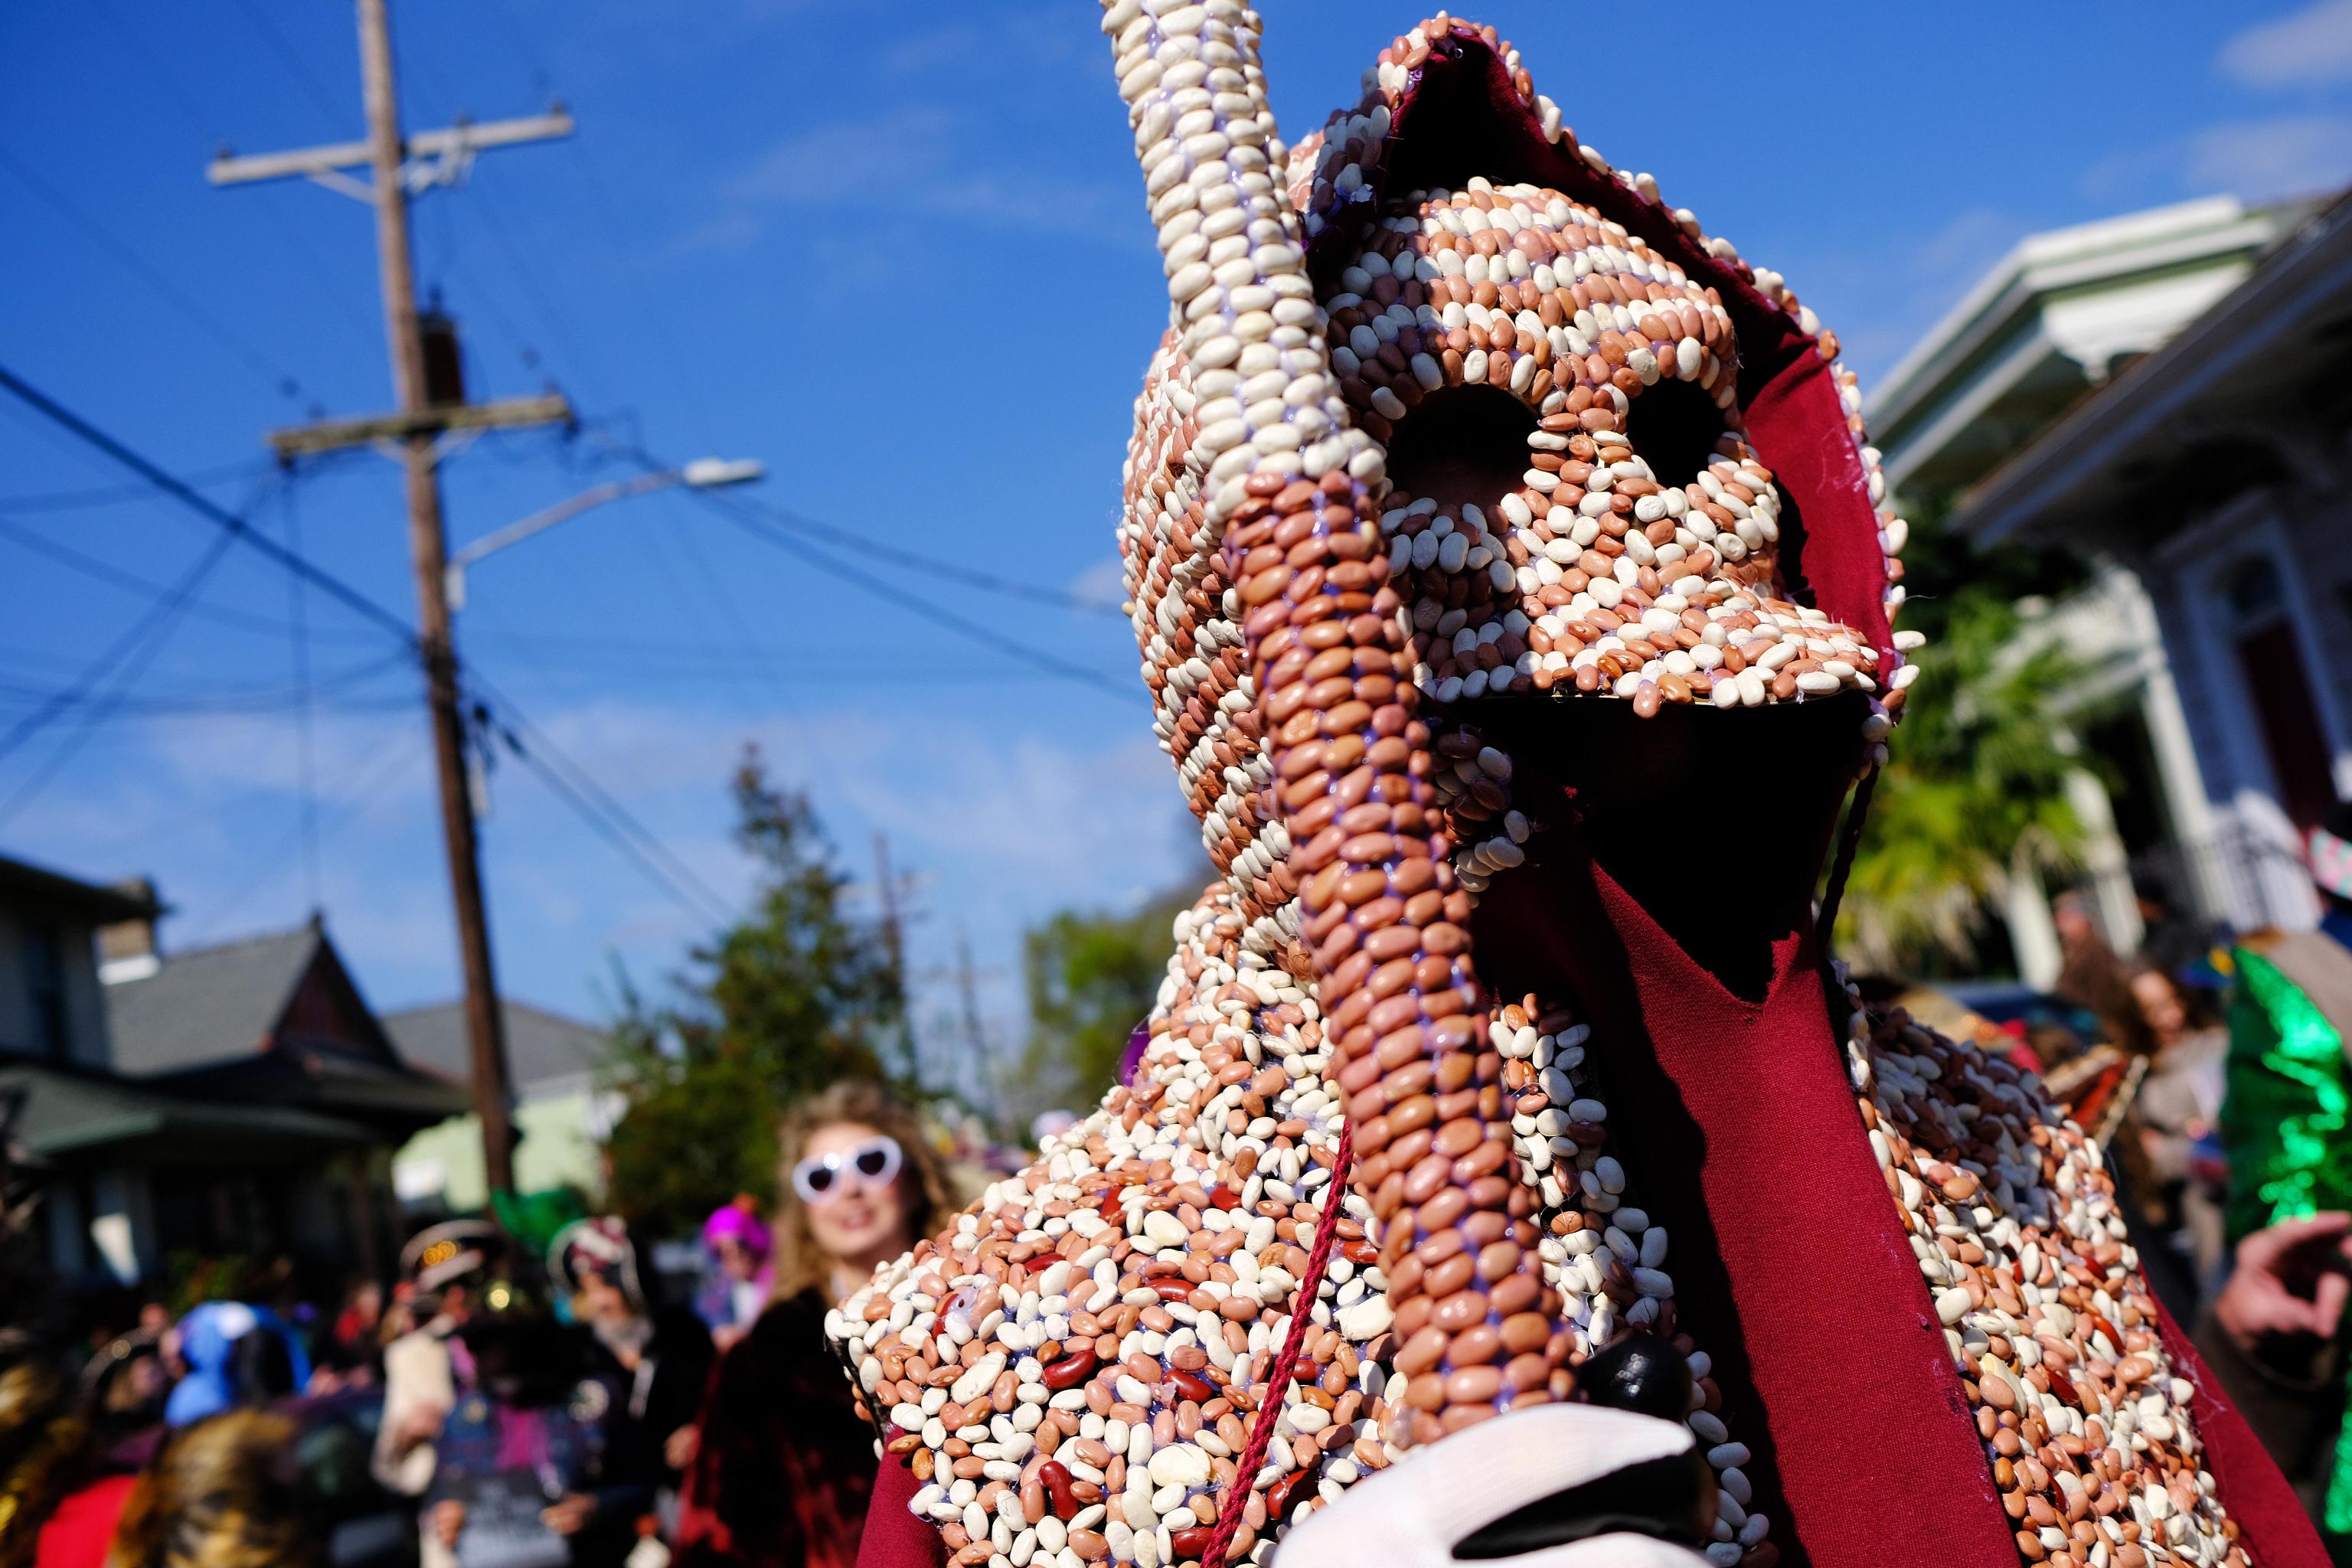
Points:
x=1457 y=433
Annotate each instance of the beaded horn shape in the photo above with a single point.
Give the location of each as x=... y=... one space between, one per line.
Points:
x=1439 y=418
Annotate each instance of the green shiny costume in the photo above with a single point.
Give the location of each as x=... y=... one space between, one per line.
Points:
x=2284 y=1125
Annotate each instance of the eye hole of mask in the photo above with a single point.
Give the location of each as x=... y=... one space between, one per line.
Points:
x=1461 y=443
x=1674 y=427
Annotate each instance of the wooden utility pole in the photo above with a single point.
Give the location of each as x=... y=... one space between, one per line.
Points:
x=414 y=434
x=428 y=549
x=975 y=1034
x=894 y=941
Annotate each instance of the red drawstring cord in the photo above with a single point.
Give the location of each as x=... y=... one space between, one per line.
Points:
x=1277 y=1381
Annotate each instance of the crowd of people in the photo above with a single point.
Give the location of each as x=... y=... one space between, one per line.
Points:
x=2215 y=1065
x=509 y=1408
x=498 y=1408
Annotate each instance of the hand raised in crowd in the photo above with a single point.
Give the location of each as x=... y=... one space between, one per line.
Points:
x=445 y=1520
x=568 y=1515
x=422 y=1425
x=2291 y=1283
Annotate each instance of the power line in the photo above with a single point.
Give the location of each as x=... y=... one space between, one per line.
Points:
x=489 y=199
x=135 y=40
x=388 y=767
x=103 y=571
x=248 y=698
x=296 y=65
x=133 y=652
x=289 y=384
x=114 y=495
x=604 y=815
x=970 y=630
x=804 y=738
x=967 y=577
x=161 y=613
x=142 y=708
x=595 y=807
x=180 y=490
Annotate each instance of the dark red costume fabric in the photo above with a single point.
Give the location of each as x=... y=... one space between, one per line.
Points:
x=2277 y=1529
x=786 y=1465
x=894 y=1538
x=1731 y=1110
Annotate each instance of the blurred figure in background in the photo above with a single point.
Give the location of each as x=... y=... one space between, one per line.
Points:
x=521 y=1469
x=738 y=1291
x=236 y=1355
x=441 y=1265
x=225 y=1492
x=354 y=1346
x=43 y=1449
x=2090 y=975
x=786 y=1465
x=2286 y=1131
x=658 y=1357
x=123 y=1390
x=2177 y=1108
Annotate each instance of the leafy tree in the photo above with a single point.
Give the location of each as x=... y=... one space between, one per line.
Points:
x=1092 y=977
x=794 y=997
x=1973 y=794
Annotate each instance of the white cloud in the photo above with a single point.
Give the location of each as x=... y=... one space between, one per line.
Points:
x=1103 y=583
x=1033 y=38
x=2292 y=155
x=913 y=159
x=2309 y=48
x=1966 y=248
x=1002 y=825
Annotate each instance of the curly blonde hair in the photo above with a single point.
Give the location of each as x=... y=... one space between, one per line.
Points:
x=223 y=1493
x=42 y=1440
x=801 y=1263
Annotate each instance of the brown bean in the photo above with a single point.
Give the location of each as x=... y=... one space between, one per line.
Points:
x=1422 y=1351
x=1474 y=1385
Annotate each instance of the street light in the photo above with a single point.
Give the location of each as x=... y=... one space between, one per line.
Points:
x=702 y=474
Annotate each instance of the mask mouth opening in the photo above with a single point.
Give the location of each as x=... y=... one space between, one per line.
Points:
x=1460 y=446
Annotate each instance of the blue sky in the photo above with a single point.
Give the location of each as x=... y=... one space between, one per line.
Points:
x=897 y=253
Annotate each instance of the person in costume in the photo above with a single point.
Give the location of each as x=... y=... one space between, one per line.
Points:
x=235 y=1355
x=1513 y=578
x=786 y=1464
x=658 y=1355
x=537 y=1464
x=2284 y=1132
x=444 y=1266
x=741 y=1277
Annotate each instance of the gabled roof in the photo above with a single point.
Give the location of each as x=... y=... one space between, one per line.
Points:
x=541 y=1047
x=228 y=1003
x=29 y=887
x=209 y=1004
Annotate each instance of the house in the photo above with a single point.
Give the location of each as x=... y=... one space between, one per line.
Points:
x=223 y=1101
x=560 y=1113
x=2053 y=330
x=2214 y=471
x=270 y=1023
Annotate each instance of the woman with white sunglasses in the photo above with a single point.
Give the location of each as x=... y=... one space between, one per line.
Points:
x=786 y=1466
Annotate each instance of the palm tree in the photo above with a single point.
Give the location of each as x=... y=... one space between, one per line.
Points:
x=1973 y=796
